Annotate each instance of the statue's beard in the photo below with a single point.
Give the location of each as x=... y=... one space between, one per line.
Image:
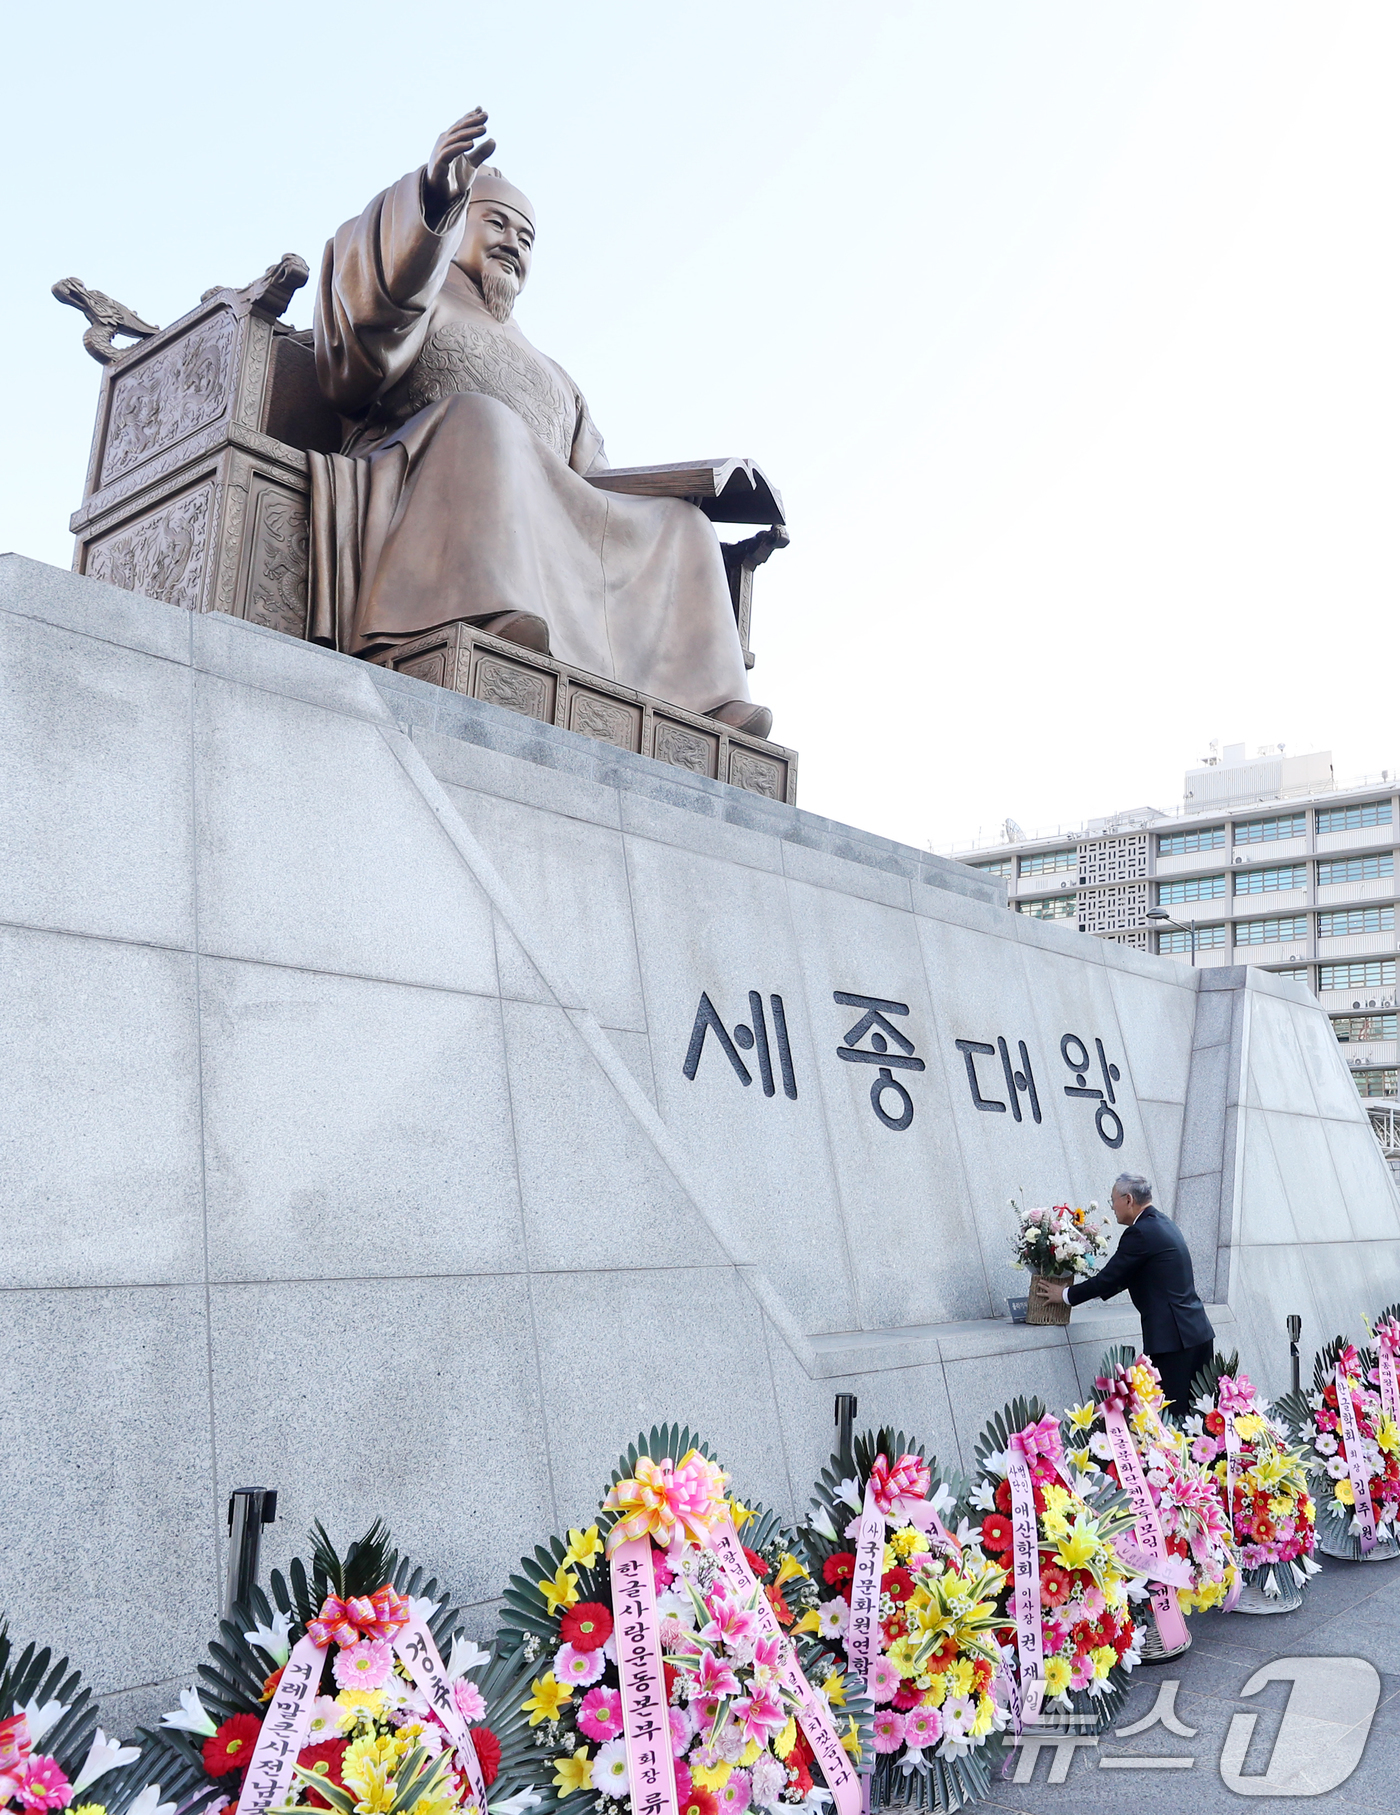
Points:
x=499 y=288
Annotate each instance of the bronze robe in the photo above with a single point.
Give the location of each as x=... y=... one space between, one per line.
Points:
x=459 y=493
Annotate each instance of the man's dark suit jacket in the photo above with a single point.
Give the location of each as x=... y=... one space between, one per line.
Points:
x=1153 y=1263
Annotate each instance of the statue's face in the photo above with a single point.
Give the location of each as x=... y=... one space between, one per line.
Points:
x=496 y=236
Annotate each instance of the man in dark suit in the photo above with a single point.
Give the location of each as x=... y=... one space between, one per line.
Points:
x=1153 y=1264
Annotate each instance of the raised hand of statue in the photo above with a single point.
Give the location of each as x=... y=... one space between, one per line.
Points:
x=453 y=164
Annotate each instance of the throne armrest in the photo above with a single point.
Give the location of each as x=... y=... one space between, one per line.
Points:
x=728 y=491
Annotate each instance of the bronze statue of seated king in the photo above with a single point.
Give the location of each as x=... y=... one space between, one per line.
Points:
x=413 y=483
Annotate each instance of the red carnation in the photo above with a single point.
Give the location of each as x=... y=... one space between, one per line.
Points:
x=270 y=1683
x=1215 y=1423
x=779 y=1606
x=669 y=1672
x=586 y=1626
x=1003 y=1496
x=996 y=1533
x=231 y=1748
x=699 y=1802
x=799 y=1777
x=330 y=1753
x=756 y=1563
x=839 y=1568
x=488 y=1753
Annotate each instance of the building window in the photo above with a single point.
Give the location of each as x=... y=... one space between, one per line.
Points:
x=1268 y=831
x=1377 y=1083
x=1271 y=932
x=1356 y=920
x=1298 y=975
x=1367 y=973
x=1194 y=888
x=1001 y=866
x=1355 y=869
x=1269 y=882
x=1044 y=862
x=1052 y=907
x=1352 y=819
x=1363 y=1027
x=1207 y=937
x=1183 y=844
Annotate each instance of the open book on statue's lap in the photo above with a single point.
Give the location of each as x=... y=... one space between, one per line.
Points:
x=728 y=491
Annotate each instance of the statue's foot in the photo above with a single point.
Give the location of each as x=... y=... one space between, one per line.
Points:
x=743 y=715
x=521 y=627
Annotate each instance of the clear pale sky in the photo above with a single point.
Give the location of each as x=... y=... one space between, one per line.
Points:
x=1069 y=331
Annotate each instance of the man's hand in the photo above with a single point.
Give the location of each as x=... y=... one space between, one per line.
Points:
x=1054 y=1291
x=453 y=164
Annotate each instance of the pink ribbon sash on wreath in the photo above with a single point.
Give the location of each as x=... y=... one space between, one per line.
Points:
x=1164 y=1572
x=646 y=1721
x=416 y=1646
x=812 y=1715
x=285 y=1729
x=1387 y=1347
x=1356 y=1462
x=1025 y=1594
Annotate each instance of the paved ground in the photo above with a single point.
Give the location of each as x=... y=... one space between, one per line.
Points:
x=1327 y=1748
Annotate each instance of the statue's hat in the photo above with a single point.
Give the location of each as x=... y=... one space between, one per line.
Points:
x=490 y=186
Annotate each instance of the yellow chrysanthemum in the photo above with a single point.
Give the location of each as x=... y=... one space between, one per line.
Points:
x=1342 y=1492
x=584 y=1546
x=960 y=1676
x=710 y=1777
x=546 y=1698
x=937 y=1693
x=1082 y=1416
x=560 y=1590
x=986 y=1713
x=1104 y=1658
x=902 y=1655
x=572 y=1774
x=749 y=1755
x=1249 y=1425
x=890 y=1557
x=1057 y=1675
x=786 y=1739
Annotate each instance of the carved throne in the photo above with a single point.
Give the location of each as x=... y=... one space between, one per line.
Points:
x=198 y=493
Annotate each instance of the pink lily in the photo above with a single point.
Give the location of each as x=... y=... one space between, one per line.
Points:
x=760 y=1715
x=730 y=1624
x=714 y=1678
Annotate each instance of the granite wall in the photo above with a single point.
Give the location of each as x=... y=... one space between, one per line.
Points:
x=352 y=1143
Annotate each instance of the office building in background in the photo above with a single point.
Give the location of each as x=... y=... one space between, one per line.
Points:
x=1268 y=861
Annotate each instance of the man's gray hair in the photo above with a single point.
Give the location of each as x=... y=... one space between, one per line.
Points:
x=1137 y=1187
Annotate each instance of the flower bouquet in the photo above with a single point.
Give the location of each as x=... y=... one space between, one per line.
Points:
x=53 y=1754
x=1058 y=1242
x=330 y=1693
x=1351 y=1449
x=1180 y=1534
x=922 y=1635
x=1064 y=1613
x=1262 y=1484
x=666 y=1676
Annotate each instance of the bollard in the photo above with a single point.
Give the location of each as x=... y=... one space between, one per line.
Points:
x=249 y=1509
x=1295 y=1330
x=845 y=1420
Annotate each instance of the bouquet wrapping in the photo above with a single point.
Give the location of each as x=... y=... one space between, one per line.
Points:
x=332 y=1693
x=1180 y=1528
x=912 y=1611
x=53 y=1754
x=1351 y=1450
x=1066 y=1620
x=1262 y=1484
x=666 y=1677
